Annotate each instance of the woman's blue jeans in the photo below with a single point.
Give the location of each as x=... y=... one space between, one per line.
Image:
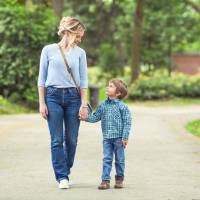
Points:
x=63 y=109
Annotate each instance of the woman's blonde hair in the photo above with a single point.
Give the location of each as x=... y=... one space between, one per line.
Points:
x=70 y=24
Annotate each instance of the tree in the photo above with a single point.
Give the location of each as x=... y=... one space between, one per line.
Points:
x=165 y=32
x=58 y=6
x=21 y=46
x=137 y=40
x=195 y=6
x=100 y=18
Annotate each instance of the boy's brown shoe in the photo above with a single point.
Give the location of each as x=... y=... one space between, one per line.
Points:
x=105 y=184
x=118 y=182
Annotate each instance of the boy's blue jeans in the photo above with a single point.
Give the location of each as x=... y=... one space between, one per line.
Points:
x=63 y=108
x=110 y=147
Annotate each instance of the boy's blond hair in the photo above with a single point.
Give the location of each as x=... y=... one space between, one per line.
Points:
x=121 y=87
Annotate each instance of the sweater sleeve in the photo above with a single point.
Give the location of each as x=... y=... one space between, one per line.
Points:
x=83 y=71
x=43 y=67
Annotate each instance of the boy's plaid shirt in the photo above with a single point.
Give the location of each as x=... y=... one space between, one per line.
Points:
x=115 y=118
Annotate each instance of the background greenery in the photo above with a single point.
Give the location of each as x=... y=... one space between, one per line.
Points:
x=165 y=29
x=194 y=127
x=23 y=33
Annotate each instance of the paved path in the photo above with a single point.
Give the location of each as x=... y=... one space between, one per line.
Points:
x=163 y=160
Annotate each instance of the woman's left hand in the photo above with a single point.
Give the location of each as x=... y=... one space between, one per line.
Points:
x=83 y=113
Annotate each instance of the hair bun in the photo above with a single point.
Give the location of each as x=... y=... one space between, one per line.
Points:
x=69 y=23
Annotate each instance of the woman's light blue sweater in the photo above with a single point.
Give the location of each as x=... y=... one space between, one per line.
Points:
x=53 y=71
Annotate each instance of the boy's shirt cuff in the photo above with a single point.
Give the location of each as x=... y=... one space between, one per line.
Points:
x=125 y=136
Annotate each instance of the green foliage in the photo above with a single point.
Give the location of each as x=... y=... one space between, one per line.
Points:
x=160 y=86
x=102 y=19
x=23 y=33
x=109 y=59
x=100 y=78
x=167 y=29
x=7 y=107
x=194 y=127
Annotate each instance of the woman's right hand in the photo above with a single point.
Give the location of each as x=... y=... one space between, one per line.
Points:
x=43 y=110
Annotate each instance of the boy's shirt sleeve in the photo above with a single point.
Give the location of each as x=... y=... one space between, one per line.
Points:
x=96 y=116
x=127 y=120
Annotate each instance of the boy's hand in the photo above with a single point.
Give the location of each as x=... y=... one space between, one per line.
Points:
x=124 y=143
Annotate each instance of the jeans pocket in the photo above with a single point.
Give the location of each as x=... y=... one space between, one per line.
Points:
x=51 y=91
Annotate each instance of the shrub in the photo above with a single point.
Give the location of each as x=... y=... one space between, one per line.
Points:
x=160 y=86
x=23 y=34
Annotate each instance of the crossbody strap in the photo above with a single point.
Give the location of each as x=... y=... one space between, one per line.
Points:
x=69 y=69
x=71 y=74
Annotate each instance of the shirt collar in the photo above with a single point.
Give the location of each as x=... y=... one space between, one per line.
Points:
x=112 y=100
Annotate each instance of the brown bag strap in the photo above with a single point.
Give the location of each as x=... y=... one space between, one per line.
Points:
x=71 y=74
x=69 y=69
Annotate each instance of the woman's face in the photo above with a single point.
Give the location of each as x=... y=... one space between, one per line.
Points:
x=78 y=38
x=75 y=38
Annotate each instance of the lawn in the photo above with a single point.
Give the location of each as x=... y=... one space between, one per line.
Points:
x=7 y=107
x=167 y=102
x=194 y=127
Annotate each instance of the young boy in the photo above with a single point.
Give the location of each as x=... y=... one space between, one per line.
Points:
x=115 y=123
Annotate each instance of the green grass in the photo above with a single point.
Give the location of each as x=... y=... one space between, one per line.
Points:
x=167 y=102
x=7 y=107
x=194 y=127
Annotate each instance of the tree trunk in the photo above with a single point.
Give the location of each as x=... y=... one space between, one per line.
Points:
x=23 y=2
x=120 y=51
x=170 y=67
x=195 y=6
x=137 y=40
x=58 y=6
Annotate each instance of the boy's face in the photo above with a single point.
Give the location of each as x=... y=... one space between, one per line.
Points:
x=111 y=90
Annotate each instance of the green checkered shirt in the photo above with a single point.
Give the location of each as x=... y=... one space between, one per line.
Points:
x=115 y=119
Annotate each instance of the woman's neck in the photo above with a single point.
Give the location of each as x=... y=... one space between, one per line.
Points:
x=64 y=43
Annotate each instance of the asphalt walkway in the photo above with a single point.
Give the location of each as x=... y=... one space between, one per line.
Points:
x=162 y=159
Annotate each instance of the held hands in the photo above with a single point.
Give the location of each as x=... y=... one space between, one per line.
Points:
x=43 y=110
x=83 y=113
x=124 y=143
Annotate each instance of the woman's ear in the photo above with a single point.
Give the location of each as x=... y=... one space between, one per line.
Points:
x=66 y=33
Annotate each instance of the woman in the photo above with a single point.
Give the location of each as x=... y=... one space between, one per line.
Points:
x=59 y=101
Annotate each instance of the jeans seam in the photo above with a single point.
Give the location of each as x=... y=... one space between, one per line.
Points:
x=63 y=97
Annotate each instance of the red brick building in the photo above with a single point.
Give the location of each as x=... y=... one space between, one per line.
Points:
x=187 y=63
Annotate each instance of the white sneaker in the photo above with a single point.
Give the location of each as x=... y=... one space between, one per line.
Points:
x=70 y=182
x=64 y=184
